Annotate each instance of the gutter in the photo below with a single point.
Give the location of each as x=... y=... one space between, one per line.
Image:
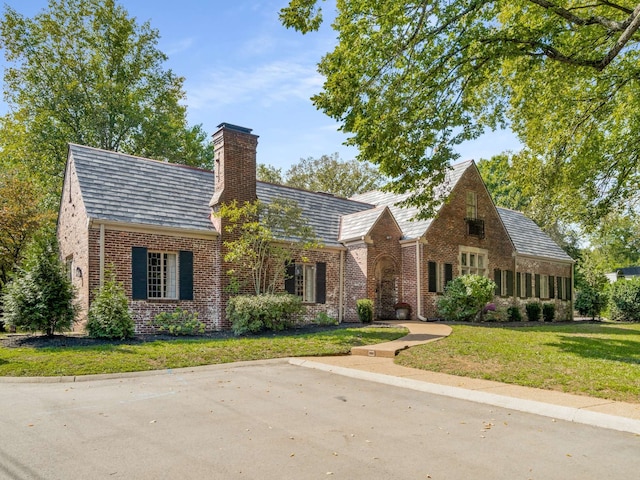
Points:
x=418 y=284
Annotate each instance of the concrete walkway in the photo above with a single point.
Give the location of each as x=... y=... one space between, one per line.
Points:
x=375 y=363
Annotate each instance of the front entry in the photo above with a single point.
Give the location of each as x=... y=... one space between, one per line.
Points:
x=386 y=288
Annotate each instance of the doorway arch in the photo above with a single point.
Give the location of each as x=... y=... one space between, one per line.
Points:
x=386 y=272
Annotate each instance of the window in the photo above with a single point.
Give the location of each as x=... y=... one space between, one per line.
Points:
x=307 y=281
x=161 y=275
x=504 y=282
x=472 y=206
x=524 y=285
x=68 y=266
x=543 y=289
x=473 y=262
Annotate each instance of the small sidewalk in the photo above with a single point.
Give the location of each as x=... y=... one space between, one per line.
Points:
x=375 y=363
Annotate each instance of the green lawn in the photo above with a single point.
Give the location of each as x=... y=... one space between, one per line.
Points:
x=112 y=358
x=599 y=360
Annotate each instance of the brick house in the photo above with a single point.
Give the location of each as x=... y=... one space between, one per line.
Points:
x=150 y=223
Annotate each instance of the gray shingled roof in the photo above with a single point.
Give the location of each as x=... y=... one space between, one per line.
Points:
x=359 y=224
x=124 y=188
x=405 y=215
x=322 y=211
x=528 y=238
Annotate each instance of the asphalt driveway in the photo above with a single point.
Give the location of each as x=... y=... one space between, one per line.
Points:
x=273 y=420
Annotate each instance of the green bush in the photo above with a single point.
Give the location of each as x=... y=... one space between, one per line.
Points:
x=590 y=302
x=109 y=315
x=465 y=297
x=364 y=307
x=548 y=312
x=41 y=297
x=178 y=322
x=254 y=313
x=624 y=300
x=500 y=314
x=325 y=320
x=514 y=314
x=533 y=310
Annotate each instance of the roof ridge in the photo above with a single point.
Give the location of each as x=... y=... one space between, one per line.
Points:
x=137 y=157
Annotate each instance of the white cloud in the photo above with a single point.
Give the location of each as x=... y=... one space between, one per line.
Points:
x=179 y=46
x=266 y=85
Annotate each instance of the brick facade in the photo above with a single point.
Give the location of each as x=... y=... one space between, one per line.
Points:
x=382 y=265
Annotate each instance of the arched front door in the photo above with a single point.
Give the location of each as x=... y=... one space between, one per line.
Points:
x=386 y=288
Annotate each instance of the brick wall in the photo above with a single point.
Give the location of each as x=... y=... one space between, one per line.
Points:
x=73 y=240
x=118 y=247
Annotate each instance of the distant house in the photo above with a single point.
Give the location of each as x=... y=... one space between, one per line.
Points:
x=623 y=274
x=150 y=222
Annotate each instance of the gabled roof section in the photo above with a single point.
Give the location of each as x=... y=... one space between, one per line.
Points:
x=358 y=225
x=528 y=238
x=405 y=215
x=123 y=188
x=322 y=211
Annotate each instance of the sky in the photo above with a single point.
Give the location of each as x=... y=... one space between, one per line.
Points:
x=241 y=66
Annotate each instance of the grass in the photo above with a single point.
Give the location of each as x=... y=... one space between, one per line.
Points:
x=599 y=360
x=115 y=358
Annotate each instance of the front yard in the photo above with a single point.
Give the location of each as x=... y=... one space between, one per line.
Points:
x=35 y=358
x=596 y=359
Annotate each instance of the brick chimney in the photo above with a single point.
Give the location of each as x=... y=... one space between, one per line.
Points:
x=234 y=154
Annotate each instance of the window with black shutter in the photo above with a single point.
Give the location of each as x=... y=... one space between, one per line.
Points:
x=528 y=285
x=497 y=278
x=510 y=283
x=552 y=284
x=537 y=287
x=448 y=273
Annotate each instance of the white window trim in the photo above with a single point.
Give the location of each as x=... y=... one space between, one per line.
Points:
x=163 y=277
x=307 y=289
x=477 y=252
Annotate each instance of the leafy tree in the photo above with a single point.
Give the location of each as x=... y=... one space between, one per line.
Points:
x=109 y=314
x=83 y=71
x=498 y=176
x=624 y=300
x=615 y=242
x=332 y=175
x=41 y=297
x=268 y=173
x=263 y=239
x=20 y=217
x=465 y=297
x=411 y=80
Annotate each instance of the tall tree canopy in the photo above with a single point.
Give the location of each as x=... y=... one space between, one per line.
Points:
x=83 y=71
x=411 y=80
x=329 y=174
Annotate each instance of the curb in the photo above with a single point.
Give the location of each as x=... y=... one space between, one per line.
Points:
x=570 y=414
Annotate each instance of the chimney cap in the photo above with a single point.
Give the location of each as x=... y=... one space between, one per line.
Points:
x=231 y=126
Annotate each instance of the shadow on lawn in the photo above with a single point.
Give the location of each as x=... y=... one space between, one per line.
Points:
x=619 y=350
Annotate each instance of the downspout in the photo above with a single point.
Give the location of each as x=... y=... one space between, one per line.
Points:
x=419 y=284
x=101 y=254
x=341 y=289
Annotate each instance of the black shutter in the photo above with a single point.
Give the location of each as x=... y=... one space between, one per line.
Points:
x=448 y=273
x=321 y=282
x=560 y=296
x=186 y=275
x=497 y=277
x=433 y=284
x=552 y=284
x=519 y=284
x=138 y=273
x=537 y=285
x=290 y=278
x=510 y=283
x=527 y=284
x=568 y=288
